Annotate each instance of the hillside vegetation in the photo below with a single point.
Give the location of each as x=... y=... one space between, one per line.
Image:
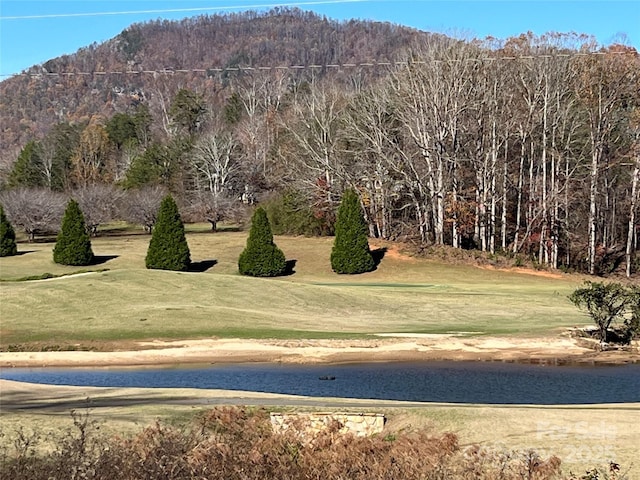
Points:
x=280 y=38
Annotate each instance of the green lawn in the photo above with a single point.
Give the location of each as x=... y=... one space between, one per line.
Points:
x=123 y=300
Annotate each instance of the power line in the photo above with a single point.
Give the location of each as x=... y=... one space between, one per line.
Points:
x=180 y=10
x=326 y=66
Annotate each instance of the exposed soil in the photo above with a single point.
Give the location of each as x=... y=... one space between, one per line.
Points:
x=525 y=271
x=404 y=347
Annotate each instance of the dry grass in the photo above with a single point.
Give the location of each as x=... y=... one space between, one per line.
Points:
x=238 y=443
x=402 y=295
x=582 y=436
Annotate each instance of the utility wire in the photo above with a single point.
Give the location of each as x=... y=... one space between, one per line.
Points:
x=327 y=66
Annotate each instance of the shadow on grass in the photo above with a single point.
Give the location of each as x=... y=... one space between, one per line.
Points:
x=211 y=231
x=102 y=259
x=43 y=239
x=20 y=401
x=378 y=255
x=122 y=232
x=23 y=253
x=200 y=267
x=229 y=229
x=289 y=268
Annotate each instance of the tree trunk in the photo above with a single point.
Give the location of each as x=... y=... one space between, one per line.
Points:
x=632 y=216
x=503 y=218
x=543 y=253
x=455 y=240
x=516 y=239
x=568 y=257
x=555 y=191
x=492 y=188
x=438 y=207
x=593 y=197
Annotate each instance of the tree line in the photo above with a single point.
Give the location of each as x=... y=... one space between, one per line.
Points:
x=169 y=250
x=530 y=146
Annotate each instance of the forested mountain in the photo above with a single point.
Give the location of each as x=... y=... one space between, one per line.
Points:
x=529 y=146
x=29 y=105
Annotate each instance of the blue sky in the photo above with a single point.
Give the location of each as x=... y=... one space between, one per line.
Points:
x=34 y=31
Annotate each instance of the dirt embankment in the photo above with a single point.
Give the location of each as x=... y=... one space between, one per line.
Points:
x=385 y=347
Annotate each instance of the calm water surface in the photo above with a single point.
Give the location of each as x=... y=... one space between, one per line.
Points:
x=457 y=382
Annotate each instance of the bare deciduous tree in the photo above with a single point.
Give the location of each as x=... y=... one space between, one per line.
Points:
x=141 y=206
x=36 y=210
x=99 y=204
x=214 y=208
x=92 y=156
x=371 y=130
x=602 y=85
x=214 y=162
x=315 y=131
x=431 y=96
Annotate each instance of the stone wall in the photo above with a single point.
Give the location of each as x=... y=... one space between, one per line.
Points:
x=310 y=424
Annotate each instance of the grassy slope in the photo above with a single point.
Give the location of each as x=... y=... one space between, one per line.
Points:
x=402 y=295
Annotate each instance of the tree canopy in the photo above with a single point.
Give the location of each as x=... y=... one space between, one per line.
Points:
x=168 y=248
x=350 y=253
x=73 y=245
x=8 y=245
x=261 y=257
x=607 y=302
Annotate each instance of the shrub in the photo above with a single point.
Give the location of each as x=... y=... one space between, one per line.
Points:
x=350 y=253
x=239 y=443
x=73 y=246
x=168 y=248
x=290 y=214
x=261 y=257
x=8 y=245
x=632 y=324
x=605 y=302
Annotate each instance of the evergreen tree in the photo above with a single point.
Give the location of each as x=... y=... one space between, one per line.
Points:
x=27 y=169
x=261 y=257
x=168 y=249
x=8 y=245
x=188 y=110
x=350 y=253
x=121 y=129
x=60 y=144
x=73 y=246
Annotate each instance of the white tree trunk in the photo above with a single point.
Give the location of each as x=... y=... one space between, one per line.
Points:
x=632 y=216
x=593 y=197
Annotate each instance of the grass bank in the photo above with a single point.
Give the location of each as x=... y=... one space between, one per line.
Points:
x=121 y=300
x=582 y=436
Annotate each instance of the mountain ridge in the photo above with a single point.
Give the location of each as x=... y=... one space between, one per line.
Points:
x=67 y=88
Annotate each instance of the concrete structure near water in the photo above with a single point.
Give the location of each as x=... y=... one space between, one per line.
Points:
x=310 y=424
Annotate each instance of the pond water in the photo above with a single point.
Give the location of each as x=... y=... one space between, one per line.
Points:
x=456 y=382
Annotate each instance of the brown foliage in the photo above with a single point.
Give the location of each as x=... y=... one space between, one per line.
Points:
x=233 y=443
x=282 y=37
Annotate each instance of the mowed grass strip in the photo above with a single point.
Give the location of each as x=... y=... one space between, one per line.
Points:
x=404 y=294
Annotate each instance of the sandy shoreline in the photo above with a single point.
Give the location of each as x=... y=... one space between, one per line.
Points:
x=551 y=350
x=124 y=411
